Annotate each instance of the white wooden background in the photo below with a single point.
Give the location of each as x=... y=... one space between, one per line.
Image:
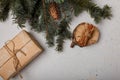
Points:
x=98 y=62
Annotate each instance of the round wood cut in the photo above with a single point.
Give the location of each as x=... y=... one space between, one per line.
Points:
x=85 y=34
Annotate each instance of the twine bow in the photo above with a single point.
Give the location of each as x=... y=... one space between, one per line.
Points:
x=13 y=53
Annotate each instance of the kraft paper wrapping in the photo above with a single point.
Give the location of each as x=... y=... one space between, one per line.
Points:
x=23 y=49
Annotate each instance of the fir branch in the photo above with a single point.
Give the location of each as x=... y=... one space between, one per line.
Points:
x=60 y=42
x=79 y=5
x=106 y=12
x=63 y=33
x=98 y=13
x=20 y=12
x=4 y=9
x=95 y=11
x=35 y=16
x=66 y=11
x=49 y=36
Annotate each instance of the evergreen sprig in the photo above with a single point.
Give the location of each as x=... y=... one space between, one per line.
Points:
x=4 y=9
x=95 y=11
x=36 y=12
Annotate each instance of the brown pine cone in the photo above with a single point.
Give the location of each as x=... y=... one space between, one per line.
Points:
x=54 y=10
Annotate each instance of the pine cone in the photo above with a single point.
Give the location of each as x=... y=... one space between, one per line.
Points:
x=54 y=10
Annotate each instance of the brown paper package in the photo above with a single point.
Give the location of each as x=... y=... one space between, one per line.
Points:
x=24 y=48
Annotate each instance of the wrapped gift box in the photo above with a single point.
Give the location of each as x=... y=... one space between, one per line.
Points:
x=17 y=53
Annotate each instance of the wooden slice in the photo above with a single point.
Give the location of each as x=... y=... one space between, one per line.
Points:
x=85 y=34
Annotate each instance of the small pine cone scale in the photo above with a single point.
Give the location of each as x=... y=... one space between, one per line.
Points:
x=54 y=10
